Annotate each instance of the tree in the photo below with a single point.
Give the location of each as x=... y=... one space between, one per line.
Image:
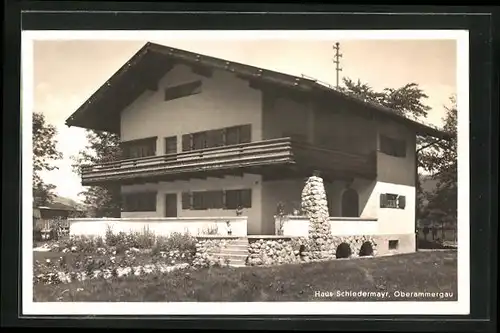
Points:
x=102 y=147
x=441 y=162
x=44 y=152
x=406 y=100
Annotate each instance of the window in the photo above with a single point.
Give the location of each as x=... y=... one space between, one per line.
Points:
x=139 y=148
x=235 y=198
x=214 y=199
x=199 y=140
x=238 y=134
x=171 y=145
x=139 y=202
x=217 y=138
x=183 y=90
x=217 y=199
x=388 y=200
x=198 y=200
x=393 y=244
x=392 y=146
x=232 y=136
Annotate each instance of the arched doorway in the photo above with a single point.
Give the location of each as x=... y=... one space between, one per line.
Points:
x=350 y=203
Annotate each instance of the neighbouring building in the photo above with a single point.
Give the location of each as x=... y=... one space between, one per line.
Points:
x=202 y=136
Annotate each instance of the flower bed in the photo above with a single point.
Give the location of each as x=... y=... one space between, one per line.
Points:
x=115 y=256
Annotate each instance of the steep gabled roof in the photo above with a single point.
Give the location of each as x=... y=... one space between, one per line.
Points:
x=143 y=71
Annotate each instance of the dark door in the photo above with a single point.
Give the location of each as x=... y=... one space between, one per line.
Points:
x=171 y=205
x=350 y=203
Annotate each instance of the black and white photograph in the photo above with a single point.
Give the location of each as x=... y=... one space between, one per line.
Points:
x=245 y=172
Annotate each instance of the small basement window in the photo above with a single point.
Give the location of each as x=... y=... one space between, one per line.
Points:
x=393 y=244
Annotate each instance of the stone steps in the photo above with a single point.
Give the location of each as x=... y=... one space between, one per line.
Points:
x=236 y=252
x=234 y=259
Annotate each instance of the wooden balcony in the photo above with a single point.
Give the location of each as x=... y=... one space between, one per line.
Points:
x=274 y=159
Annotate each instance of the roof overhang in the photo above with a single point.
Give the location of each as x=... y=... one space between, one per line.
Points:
x=142 y=72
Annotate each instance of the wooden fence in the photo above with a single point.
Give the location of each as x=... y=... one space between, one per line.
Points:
x=438 y=233
x=50 y=228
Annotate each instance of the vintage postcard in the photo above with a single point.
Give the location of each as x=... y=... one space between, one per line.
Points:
x=293 y=172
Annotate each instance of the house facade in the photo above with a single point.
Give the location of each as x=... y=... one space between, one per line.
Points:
x=202 y=137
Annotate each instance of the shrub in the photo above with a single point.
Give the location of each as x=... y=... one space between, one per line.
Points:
x=183 y=242
x=142 y=240
x=210 y=230
x=113 y=239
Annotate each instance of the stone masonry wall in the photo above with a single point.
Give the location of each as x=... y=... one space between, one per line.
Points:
x=287 y=250
x=273 y=251
x=207 y=250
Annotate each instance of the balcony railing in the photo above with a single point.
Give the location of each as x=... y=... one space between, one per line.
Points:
x=247 y=157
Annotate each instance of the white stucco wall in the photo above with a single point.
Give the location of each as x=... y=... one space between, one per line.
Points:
x=224 y=101
x=396 y=175
x=158 y=226
x=227 y=183
x=395 y=220
x=298 y=226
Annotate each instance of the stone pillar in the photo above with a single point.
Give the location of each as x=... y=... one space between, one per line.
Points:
x=315 y=206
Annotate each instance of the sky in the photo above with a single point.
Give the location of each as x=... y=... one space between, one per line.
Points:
x=68 y=72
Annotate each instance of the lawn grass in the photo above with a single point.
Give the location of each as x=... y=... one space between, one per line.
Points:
x=416 y=272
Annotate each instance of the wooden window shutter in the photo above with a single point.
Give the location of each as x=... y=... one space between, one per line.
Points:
x=213 y=199
x=245 y=134
x=212 y=139
x=401 y=202
x=231 y=135
x=218 y=200
x=198 y=200
x=383 y=200
x=215 y=138
x=186 y=142
x=199 y=140
x=171 y=145
x=186 y=200
x=246 y=198
x=232 y=199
